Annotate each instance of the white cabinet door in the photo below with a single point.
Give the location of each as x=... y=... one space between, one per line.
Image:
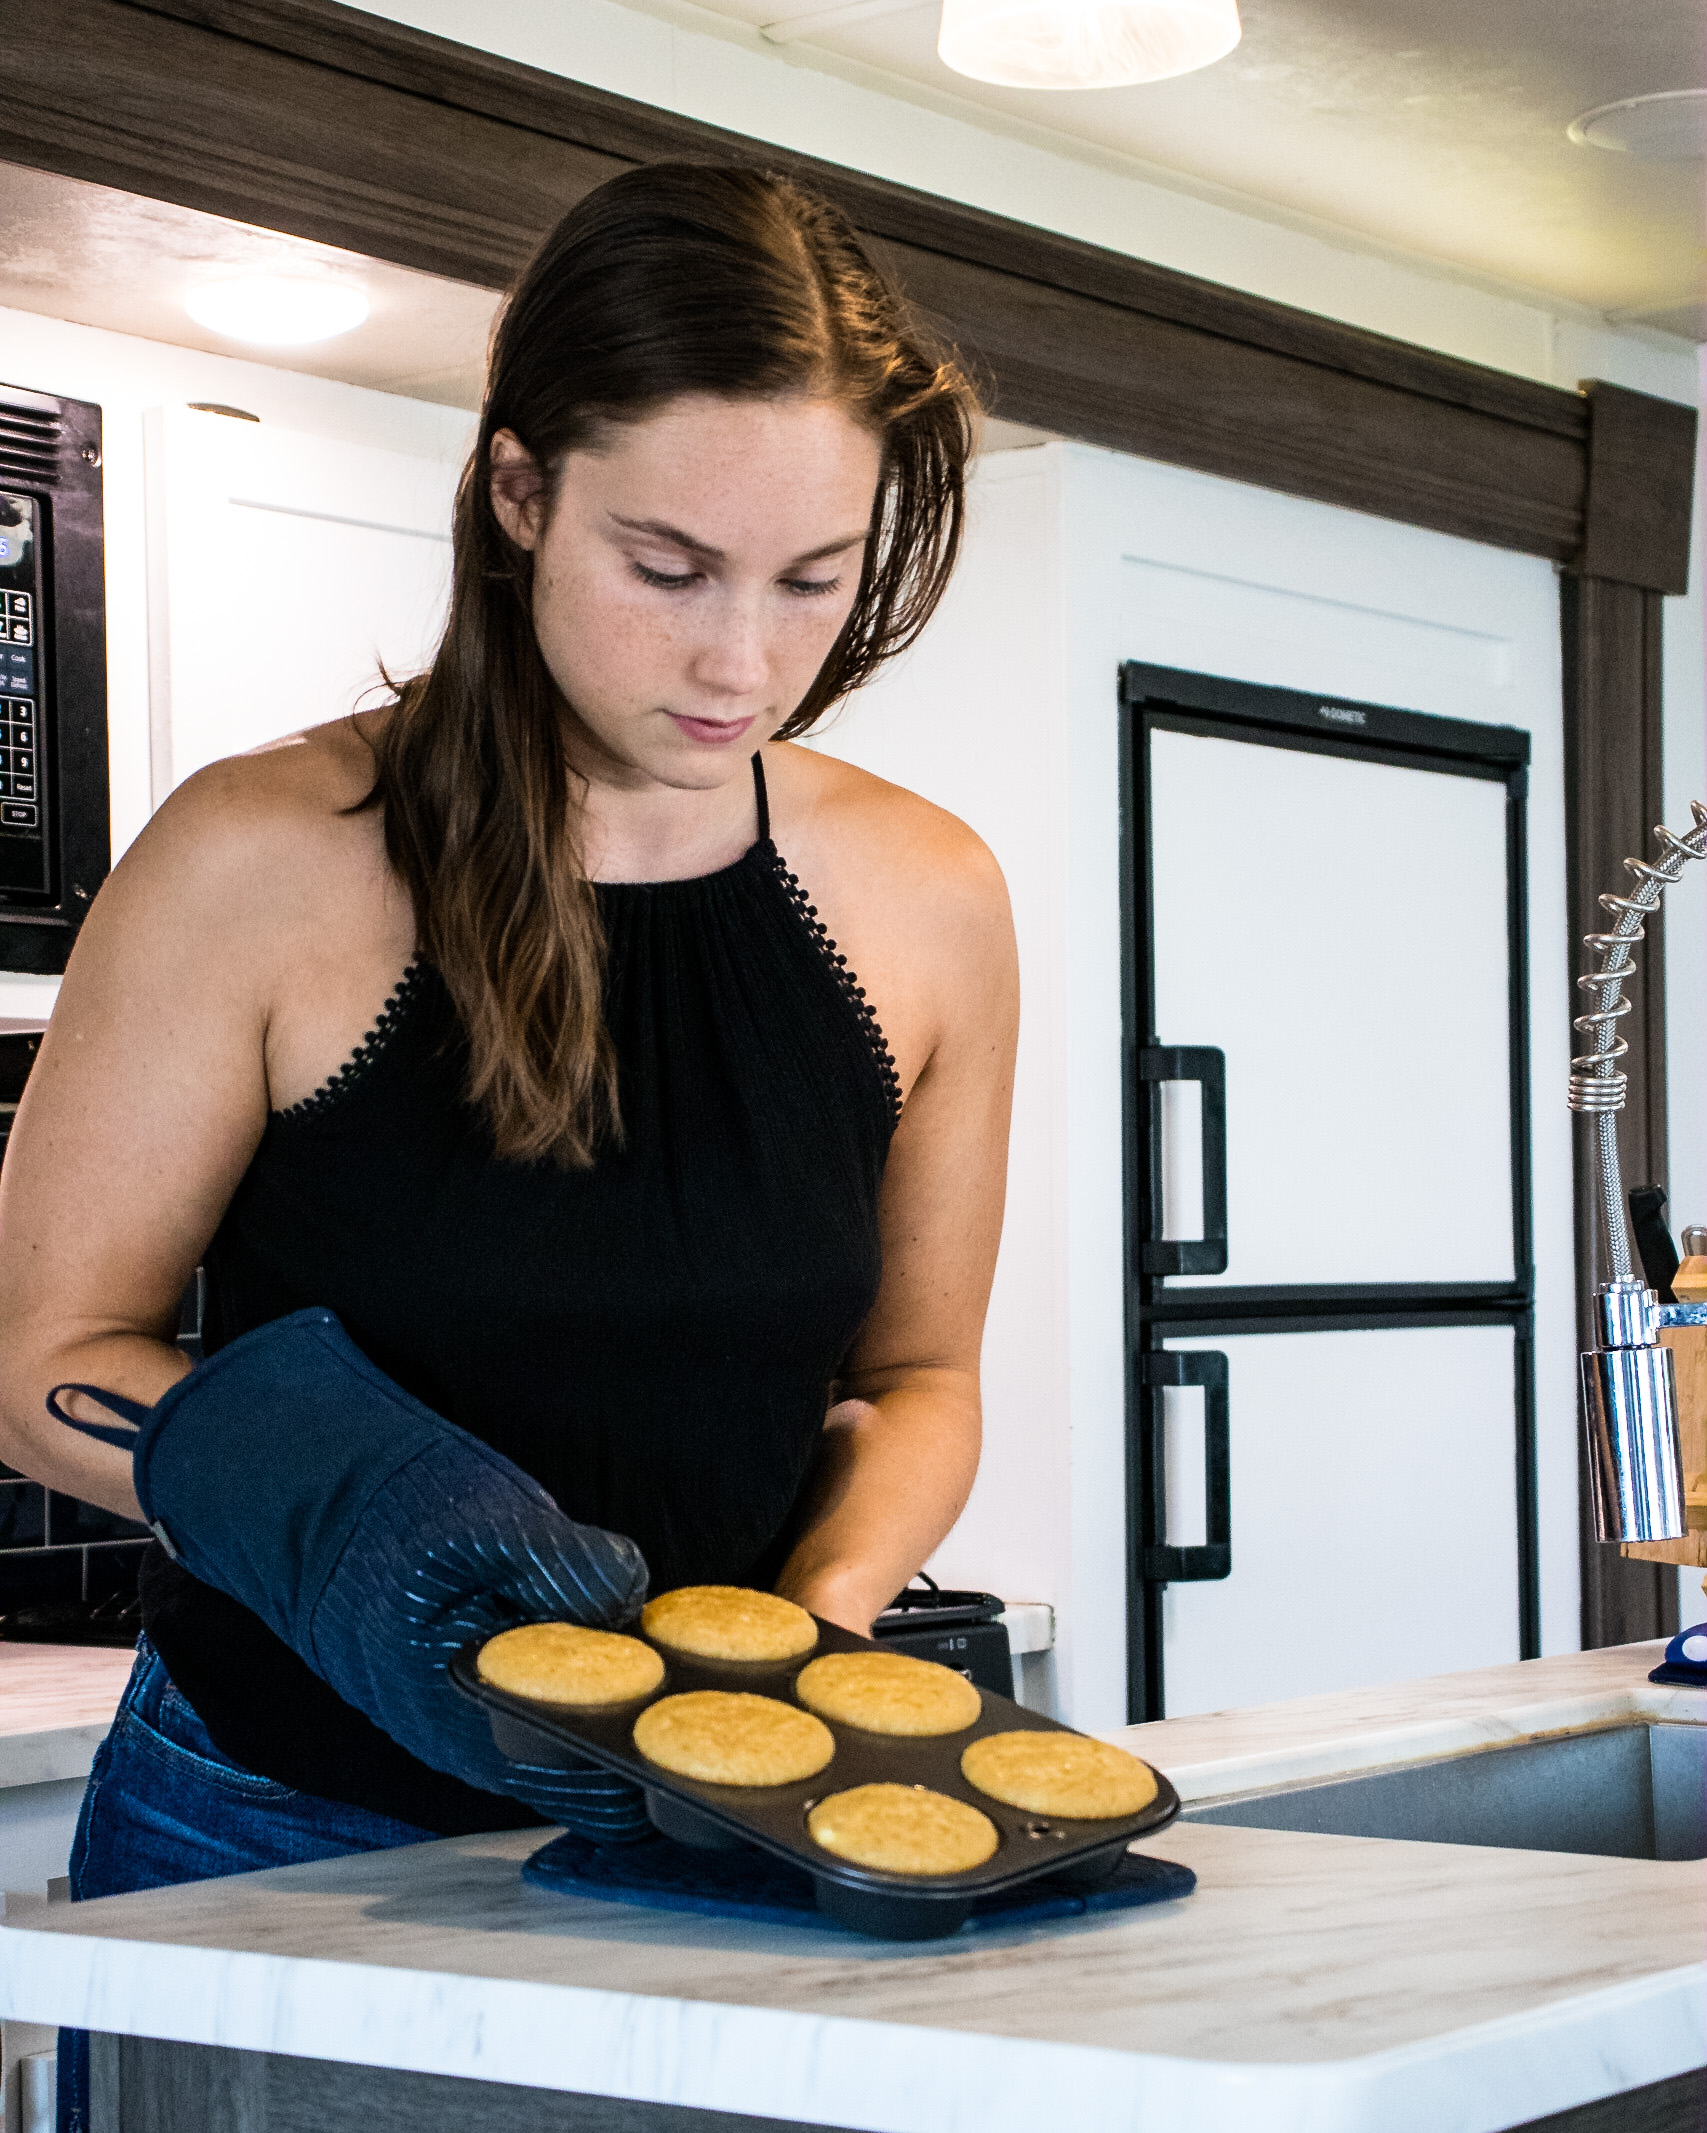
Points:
x=285 y=571
x=1373 y=1493
x=1338 y=928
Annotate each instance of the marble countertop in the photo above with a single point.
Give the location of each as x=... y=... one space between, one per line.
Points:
x=56 y=1703
x=1313 y=1984
x=1223 y=1752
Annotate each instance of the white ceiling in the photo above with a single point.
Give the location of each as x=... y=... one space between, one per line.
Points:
x=1436 y=127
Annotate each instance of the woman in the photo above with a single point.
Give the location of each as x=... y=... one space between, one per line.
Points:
x=516 y=1022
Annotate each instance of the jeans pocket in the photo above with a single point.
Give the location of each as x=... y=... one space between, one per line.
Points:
x=172 y=1735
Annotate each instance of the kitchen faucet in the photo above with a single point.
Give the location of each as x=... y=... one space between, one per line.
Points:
x=1629 y=1382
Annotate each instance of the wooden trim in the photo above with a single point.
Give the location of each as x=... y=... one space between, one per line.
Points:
x=1613 y=798
x=311 y=117
x=1641 y=458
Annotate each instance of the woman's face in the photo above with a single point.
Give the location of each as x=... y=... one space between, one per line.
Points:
x=691 y=575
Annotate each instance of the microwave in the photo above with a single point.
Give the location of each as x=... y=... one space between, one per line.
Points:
x=55 y=831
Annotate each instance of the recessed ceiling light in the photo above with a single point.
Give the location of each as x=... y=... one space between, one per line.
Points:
x=1084 y=44
x=275 y=311
x=1667 y=127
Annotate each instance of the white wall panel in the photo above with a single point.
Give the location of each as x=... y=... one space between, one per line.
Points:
x=984 y=720
x=285 y=572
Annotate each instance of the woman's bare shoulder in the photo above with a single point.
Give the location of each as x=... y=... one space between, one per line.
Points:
x=900 y=847
x=911 y=894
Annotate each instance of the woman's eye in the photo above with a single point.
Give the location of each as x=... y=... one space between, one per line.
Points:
x=810 y=588
x=663 y=579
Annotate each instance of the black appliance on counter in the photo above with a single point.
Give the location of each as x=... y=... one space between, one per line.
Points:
x=55 y=838
x=957 y=1629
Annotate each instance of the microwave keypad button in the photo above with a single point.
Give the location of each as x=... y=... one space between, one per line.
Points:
x=18 y=604
x=16 y=814
x=24 y=759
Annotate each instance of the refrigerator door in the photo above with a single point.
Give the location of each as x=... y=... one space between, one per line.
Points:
x=1373 y=1498
x=1338 y=928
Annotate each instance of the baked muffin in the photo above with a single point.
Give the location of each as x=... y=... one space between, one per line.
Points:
x=725 y=1739
x=729 y=1622
x=903 y=1829
x=886 y=1692
x=558 y=1662
x=1066 y=1775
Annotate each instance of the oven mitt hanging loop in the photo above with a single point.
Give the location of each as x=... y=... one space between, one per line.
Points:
x=377 y=1540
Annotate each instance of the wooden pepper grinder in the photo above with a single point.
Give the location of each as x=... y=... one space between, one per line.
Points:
x=1688 y=1345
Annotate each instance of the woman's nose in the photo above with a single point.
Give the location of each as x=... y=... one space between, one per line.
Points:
x=732 y=658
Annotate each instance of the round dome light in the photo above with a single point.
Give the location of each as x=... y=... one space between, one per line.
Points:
x=1669 y=126
x=276 y=311
x=1084 y=44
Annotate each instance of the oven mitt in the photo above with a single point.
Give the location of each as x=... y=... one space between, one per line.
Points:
x=377 y=1540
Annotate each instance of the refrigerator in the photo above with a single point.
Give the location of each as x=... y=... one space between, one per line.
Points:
x=1330 y=1340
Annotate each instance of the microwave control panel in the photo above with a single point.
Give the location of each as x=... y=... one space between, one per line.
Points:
x=26 y=860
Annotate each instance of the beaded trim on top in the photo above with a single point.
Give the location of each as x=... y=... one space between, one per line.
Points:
x=364 y=1054
x=852 y=990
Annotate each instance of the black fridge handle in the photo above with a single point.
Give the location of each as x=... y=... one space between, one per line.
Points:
x=1201 y=1063
x=1214 y=1559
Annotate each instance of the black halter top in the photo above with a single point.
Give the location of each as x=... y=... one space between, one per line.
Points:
x=653 y=1338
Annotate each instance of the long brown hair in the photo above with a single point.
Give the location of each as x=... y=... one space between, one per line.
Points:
x=671 y=279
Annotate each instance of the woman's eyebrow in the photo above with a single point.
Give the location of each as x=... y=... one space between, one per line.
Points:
x=660 y=529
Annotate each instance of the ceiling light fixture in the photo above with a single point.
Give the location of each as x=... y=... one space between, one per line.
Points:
x=276 y=311
x=1668 y=127
x=1084 y=44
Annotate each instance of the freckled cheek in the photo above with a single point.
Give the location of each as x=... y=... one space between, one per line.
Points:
x=602 y=648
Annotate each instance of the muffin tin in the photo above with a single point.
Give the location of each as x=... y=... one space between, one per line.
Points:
x=1077 y=1855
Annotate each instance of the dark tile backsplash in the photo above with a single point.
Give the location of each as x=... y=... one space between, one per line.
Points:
x=66 y=1568
x=23 y=1514
x=71 y=1524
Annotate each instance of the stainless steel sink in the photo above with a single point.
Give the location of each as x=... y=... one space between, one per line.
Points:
x=1626 y=1792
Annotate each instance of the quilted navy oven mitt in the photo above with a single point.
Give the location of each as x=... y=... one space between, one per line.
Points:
x=377 y=1539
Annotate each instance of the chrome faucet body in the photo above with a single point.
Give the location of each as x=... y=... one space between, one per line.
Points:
x=1629 y=1385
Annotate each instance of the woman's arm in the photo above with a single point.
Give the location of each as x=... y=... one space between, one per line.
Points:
x=900 y=1450
x=142 y=1111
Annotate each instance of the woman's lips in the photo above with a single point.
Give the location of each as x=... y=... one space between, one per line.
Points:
x=716 y=732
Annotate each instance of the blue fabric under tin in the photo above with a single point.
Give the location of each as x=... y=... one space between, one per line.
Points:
x=1685 y=1663
x=662 y=1875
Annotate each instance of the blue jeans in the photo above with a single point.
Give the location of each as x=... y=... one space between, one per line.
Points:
x=164 y=1805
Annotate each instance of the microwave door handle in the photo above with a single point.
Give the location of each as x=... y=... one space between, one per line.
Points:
x=1207 y=1066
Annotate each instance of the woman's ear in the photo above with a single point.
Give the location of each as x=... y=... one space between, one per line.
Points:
x=518 y=489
